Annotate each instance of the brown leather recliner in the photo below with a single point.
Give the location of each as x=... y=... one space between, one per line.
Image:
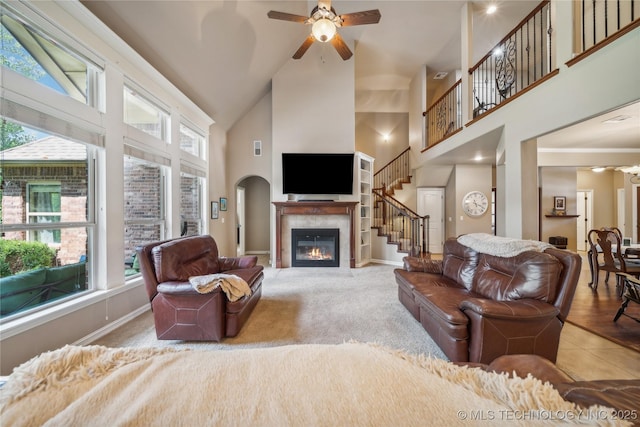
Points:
x=477 y=307
x=179 y=311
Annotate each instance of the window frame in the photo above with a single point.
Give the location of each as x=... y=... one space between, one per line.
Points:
x=200 y=190
x=200 y=139
x=99 y=125
x=94 y=76
x=161 y=221
x=148 y=101
x=30 y=213
x=89 y=224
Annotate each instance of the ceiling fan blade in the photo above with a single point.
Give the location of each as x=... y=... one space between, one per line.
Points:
x=303 y=48
x=361 y=18
x=325 y=3
x=273 y=14
x=341 y=47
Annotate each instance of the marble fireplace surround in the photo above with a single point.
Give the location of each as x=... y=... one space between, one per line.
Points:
x=315 y=214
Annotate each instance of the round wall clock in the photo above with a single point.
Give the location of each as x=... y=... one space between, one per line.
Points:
x=475 y=203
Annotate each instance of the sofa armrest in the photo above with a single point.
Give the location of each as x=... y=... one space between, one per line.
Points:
x=237 y=263
x=522 y=365
x=526 y=309
x=423 y=265
x=525 y=326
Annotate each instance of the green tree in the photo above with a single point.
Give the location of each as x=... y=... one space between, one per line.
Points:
x=15 y=57
x=12 y=135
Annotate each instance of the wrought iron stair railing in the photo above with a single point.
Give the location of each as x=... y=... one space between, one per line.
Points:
x=402 y=226
x=394 y=174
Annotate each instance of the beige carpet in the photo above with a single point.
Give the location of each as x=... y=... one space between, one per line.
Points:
x=310 y=306
x=306 y=385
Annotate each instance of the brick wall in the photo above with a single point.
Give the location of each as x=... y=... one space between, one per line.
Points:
x=190 y=204
x=141 y=201
x=73 y=188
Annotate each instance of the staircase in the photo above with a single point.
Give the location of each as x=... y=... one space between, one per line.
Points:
x=394 y=220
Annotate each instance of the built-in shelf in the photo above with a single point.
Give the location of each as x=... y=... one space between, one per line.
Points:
x=364 y=170
x=562 y=216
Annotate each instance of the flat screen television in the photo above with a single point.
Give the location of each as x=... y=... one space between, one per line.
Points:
x=317 y=173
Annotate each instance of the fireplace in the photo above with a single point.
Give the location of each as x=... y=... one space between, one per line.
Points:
x=315 y=247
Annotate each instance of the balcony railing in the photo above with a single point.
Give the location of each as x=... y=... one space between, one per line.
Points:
x=520 y=59
x=525 y=58
x=602 y=21
x=444 y=118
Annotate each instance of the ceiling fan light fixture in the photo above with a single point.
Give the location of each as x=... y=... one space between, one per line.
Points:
x=633 y=170
x=323 y=30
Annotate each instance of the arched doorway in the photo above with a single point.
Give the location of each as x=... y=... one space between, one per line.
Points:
x=253 y=224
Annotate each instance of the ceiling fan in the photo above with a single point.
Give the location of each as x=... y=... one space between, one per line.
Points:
x=324 y=21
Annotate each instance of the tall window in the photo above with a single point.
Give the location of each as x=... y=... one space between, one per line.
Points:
x=191 y=141
x=144 y=114
x=144 y=207
x=40 y=57
x=47 y=219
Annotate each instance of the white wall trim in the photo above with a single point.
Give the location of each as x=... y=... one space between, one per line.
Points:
x=99 y=333
x=23 y=324
x=386 y=262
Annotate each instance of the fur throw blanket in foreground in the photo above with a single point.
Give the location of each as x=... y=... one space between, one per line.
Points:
x=300 y=385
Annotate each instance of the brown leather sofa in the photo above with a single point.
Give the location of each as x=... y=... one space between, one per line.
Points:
x=623 y=395
x=179 y=311
x=477 y=307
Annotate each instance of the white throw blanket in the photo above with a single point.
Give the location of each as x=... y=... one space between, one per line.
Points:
x=233 y=286
x=501 y=246
x=300 y=385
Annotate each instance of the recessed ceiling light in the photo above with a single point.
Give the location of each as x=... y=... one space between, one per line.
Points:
x=478 y=157
x=597 y=169
x=440 y=75
x=617 y=119
x=491 y=9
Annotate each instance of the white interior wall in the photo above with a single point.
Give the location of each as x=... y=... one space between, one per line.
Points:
x=241 y=163
x=313 y=111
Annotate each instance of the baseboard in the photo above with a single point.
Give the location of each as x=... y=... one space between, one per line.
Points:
x=387 y=262
x=93 y=336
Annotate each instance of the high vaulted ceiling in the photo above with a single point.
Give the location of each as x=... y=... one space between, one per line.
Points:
x=223 y=54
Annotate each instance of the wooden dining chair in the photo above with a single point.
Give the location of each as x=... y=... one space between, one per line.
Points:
x=630 y=293
x=605 y=254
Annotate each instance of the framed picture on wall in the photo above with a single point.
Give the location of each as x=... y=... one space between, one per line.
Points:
x=559 y=203
x=214 y=210
x=223 y=203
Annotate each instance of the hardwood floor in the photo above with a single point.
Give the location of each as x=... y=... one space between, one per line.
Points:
x=587 y=356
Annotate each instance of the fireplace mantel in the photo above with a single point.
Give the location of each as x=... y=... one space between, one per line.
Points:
x=316 y=208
